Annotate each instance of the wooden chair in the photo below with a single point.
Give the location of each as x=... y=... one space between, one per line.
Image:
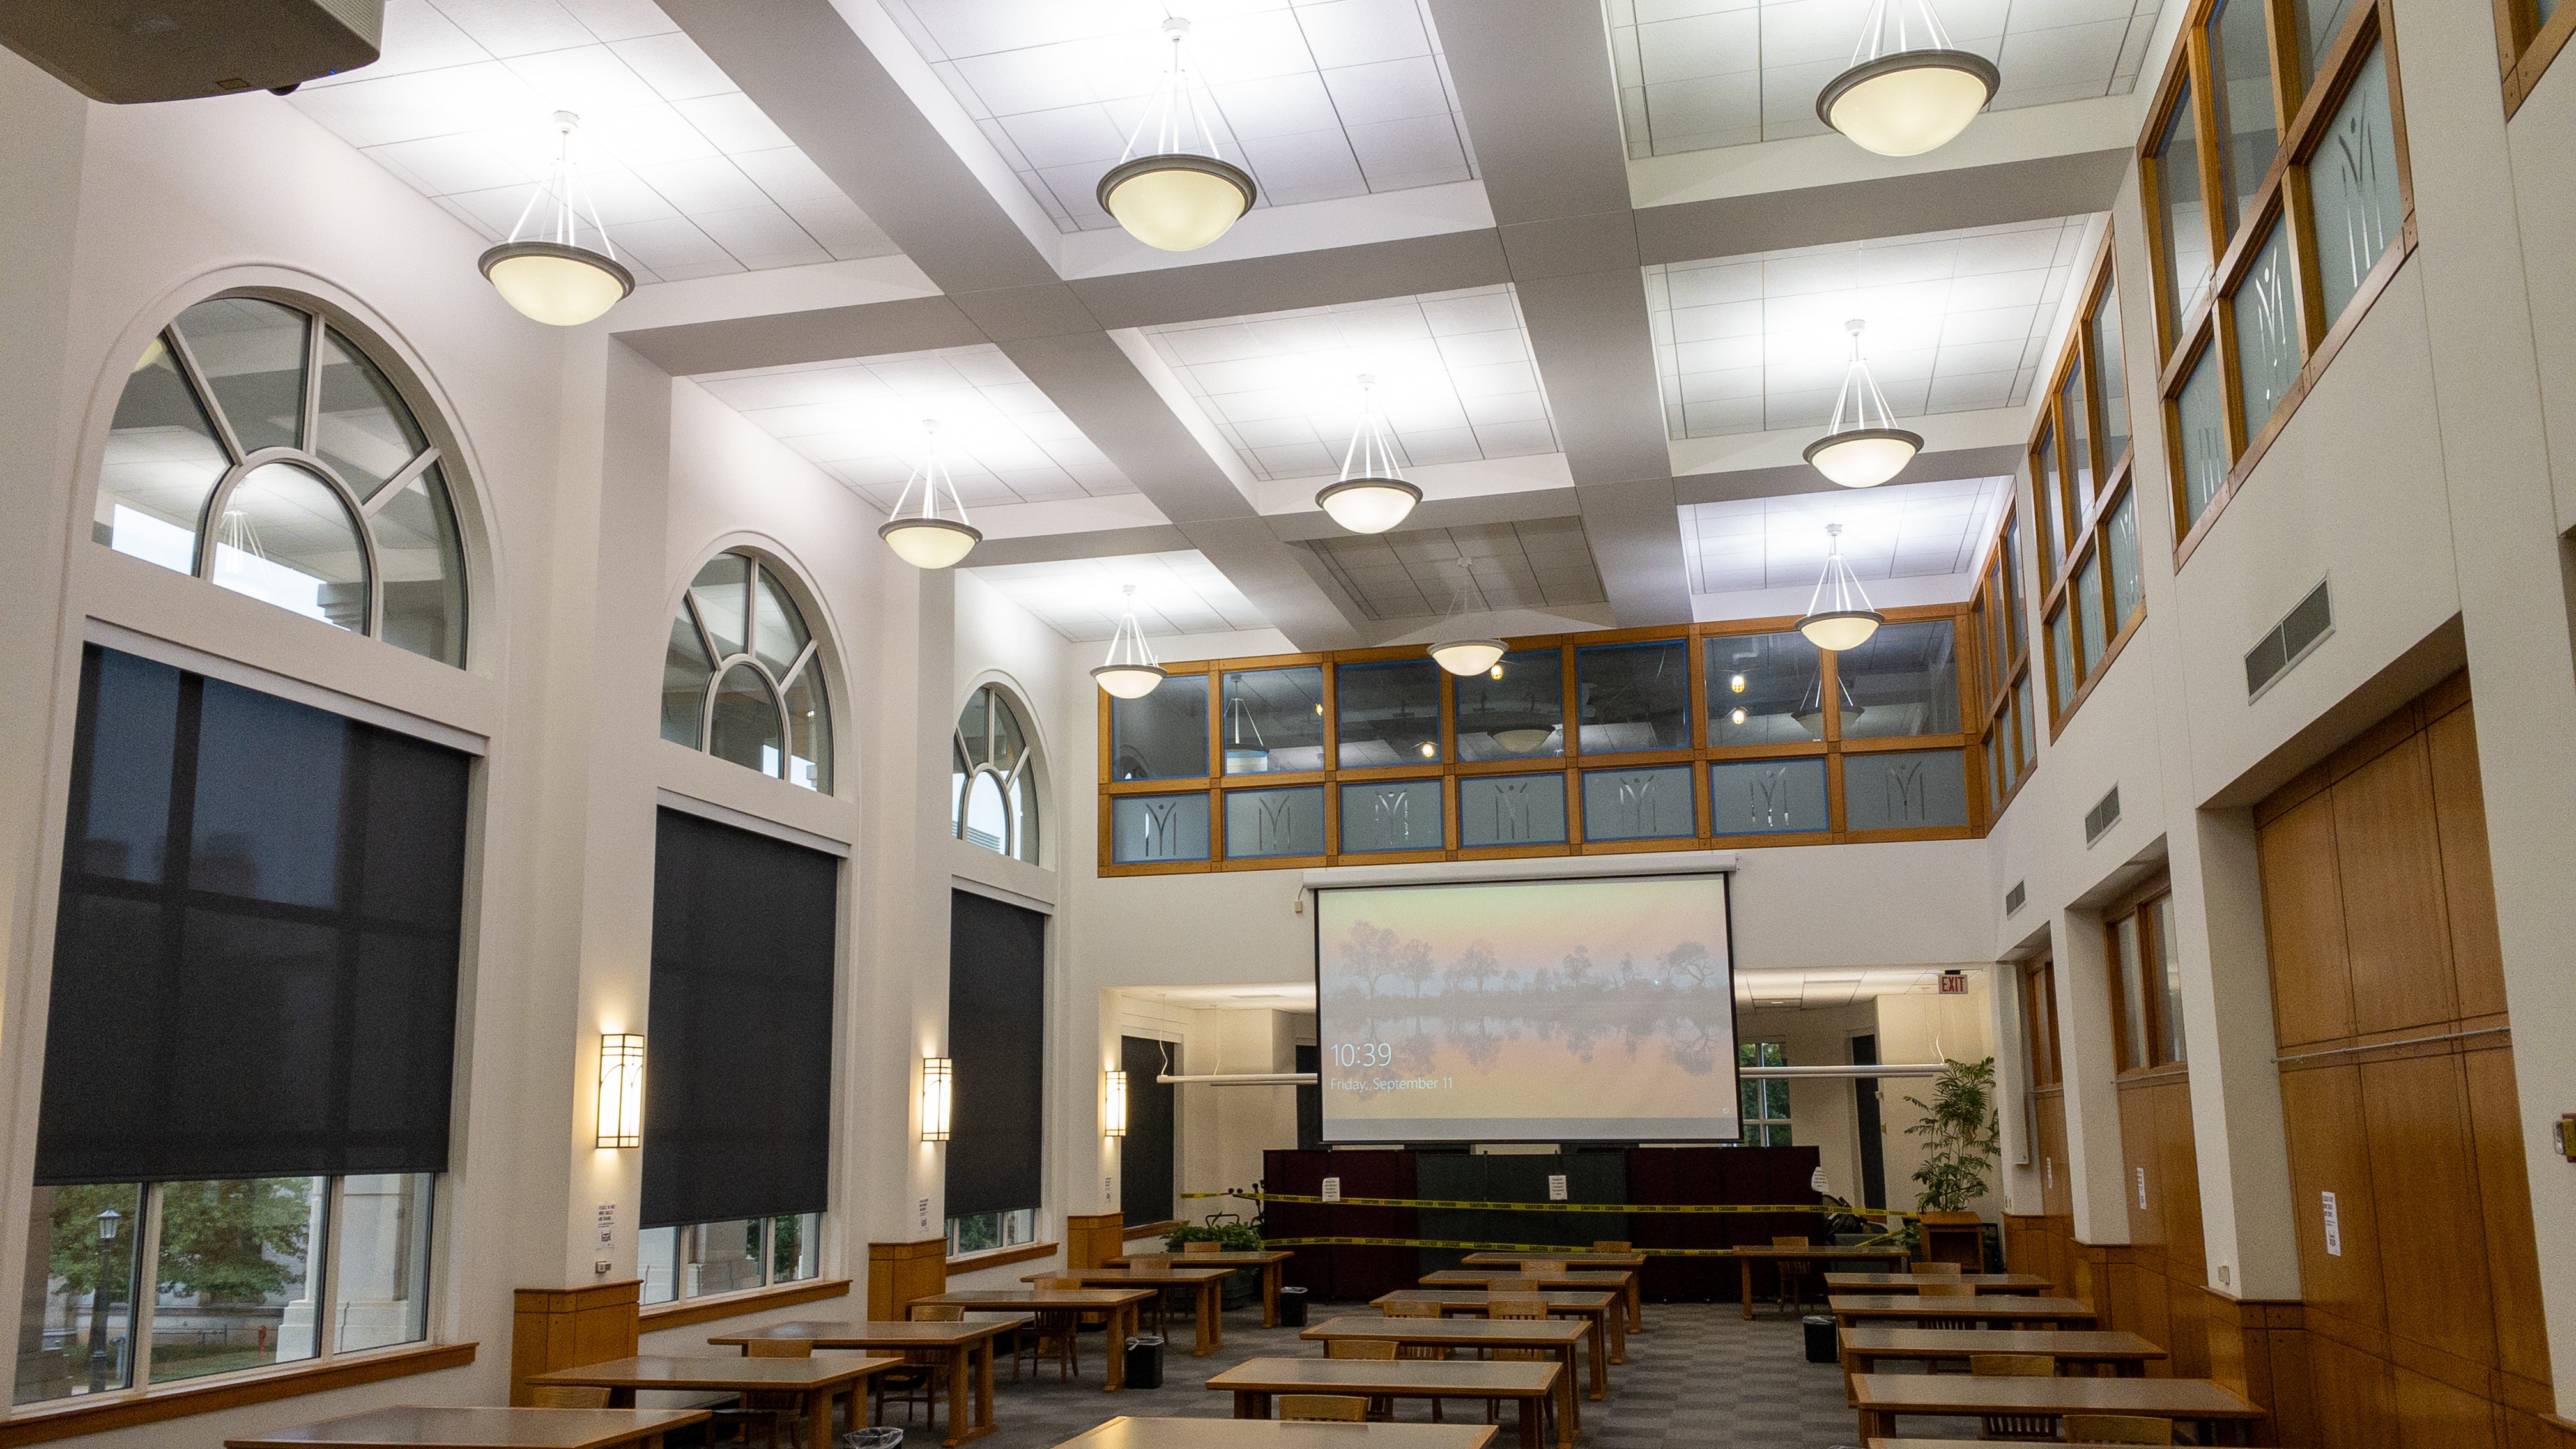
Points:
x=2033 y=1427
x=1061 y=1330
x=1323 y=1408
x=2117 y=1429
x=1521 y=1284
x=1931 y=1293
x=924 y=1370
x=1793 y=1272
x=1514 y=1306
x=1368 y=1350
x=1419 y=1352
x=1935 y=1270
x=770 y=1412
x=1547 y=1268
x=569 y=1396
x=1609 y=1245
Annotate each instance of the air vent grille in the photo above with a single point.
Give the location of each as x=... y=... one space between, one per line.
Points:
x=2104 y=814
x=2289 y=641
x=2013 y=898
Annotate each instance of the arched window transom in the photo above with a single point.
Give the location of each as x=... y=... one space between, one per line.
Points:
x=259 y=447
x=993 y=785
x=740 y=679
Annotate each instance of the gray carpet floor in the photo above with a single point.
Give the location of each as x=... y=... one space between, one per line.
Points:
x=1700 y=1377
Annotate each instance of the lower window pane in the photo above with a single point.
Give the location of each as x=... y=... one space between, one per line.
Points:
x=2120 y=545
x=2352 y=181
x=2201 y=420
x=719 y=1257
x=1395 y=815
x=1767 y=797
x=2061 y=650
x=1158 y=827
x=1638 y=804
x=1274 y=822
x=2267 y=330
x=2027 y=742
x=380 y=1291
x=1515 y=809
x=2088 y=613
x=657 y=1254
x=1911 y=790
x=234 y=1292
x=794 y=1244
x=76 y=1325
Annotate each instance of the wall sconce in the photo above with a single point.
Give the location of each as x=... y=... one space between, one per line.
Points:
x=621 y=1089
x=1113 y=1117
x=938 y=1094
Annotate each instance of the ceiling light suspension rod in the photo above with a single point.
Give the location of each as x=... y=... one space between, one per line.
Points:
x=1130 y=671
x=1180 y=195
x=1464 y=657
x=1371 y=496
x=551 y=277
x=1838 y=615
x=927 y=537
x=1862 y=446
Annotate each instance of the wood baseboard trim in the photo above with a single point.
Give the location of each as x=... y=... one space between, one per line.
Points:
x=155 y=1406
x=1002 y=1257
x=734 y=1305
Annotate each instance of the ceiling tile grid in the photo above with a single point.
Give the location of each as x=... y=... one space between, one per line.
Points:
x=688 y=176
x=1455 y=380
x=1081 y=599
x=1901 y=530
x=1958 y=321
x=1316 y=98
x=862 y=422
x=1698 y=74
x=1543 y=564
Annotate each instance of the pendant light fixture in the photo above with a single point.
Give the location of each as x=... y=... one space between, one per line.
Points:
x=1130 y=671
x=1838 y=616
x=1465 y=658
x=926 y=538
x=547 y=274
x=1908 y=90
x=1170 y=188
x=1371 y=495
x=1242 y=758
x=1862 y=447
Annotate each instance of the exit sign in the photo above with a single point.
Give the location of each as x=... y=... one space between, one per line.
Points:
x=1953 y=984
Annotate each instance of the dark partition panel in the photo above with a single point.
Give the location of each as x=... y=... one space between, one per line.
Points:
x=1351 y=1273
x=1589 y=1177
x=1145 y=1157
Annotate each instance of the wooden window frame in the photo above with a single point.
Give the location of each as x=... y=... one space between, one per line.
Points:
x=2525 y=46
x=1832 y=749
x=2136 y=906
x=2088 y=523
x=2301 y=113
x=2042 y=1047
x=2000 y=631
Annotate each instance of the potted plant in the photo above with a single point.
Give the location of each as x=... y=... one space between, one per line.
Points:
x=1232 y=1237
x=1961 y=1132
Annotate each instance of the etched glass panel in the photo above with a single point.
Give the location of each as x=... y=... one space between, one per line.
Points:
x=1639 y=804
x=1392 y=815
x=2111 y=376
x=2200 y=416
x=2061 y=648
x=1903 y=681
x=1905 y=791
x=1147 y=828
x=1514 y=711
x=1767 y=797
x=2267 y=330
x=1514 y=809
x=1764 y=689
x=2120 y=544
x=1163 y=736
x=2249 y=136
x=2025 y=741
x=1273 y=721
x=2352 y=183
x=2092 y=638
x=162 y=460
x=1633 y=696
x=2183 y=223
x=1390 y=713
x=1274 y=822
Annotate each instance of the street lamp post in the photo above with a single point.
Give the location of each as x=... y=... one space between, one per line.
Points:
x=107 y=1225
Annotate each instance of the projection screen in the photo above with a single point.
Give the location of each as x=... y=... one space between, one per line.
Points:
x=1527 y=1011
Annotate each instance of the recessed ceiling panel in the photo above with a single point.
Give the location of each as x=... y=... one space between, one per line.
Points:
x=1176 y=593
x=1699 y=74
x=689 y=177
x=1901 y=530
x=1317 y=98
x=1455 y=380
x=1958 y=321
x=1542 y=564
x=862 y=422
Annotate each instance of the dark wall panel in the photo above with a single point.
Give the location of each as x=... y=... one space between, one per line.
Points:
x=997 y=1042
x=1145 y=1182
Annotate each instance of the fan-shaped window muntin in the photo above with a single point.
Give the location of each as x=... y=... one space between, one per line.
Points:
x=740 y=678
x=992 y=778
x=258 y=446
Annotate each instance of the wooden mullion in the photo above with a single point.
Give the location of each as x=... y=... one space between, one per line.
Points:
x=2537 y=55
x=2382 y=24
x=2213 y=167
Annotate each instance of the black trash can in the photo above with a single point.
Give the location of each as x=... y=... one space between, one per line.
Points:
x=1821 y=1347
x=1292 y=1307
x=1145 y=1361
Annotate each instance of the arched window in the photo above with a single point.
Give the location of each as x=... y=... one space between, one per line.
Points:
x=993 y=784
x=740 y=679
x=256 y=445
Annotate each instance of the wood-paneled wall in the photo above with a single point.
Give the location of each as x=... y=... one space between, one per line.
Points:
x=2161 y=1278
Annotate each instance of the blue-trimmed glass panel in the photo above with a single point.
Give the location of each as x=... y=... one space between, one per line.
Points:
x=1390 y=713
x=1652 y=804
x=1905 y=791
x=1162 y=736
x=1764 y=689
x=1392 y=815
x=1274 y=822
x=1148 y=828
x=1273 y=720
x=1514 y=711
x=1511 y=809
x=1634 y=696
x=1767 y=797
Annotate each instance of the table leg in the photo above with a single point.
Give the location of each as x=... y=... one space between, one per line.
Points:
x=961 y=1393
x=1636 y=1300
x=1597 y=1357
x=1121 y=1327
x=1211 y=1324
x=1876 y=1425
x=1532 y=1414
x=1251 y=1405
x=621 y=1398
x=818 y=1416
x=984 y=1382
x=1569 y=1412
x=1272 y=1274
x=1615 y=1321
x=1745 y=1272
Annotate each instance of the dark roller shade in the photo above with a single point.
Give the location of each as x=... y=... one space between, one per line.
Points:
x=1145 y=1158
x=255 y=963
x=996 y=1038
x=738 y=1050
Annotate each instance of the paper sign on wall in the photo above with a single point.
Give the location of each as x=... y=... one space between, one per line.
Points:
x=2142 y=1189
x=1556 y=1187
x=1332 y=1189
x=923 y=1213
x=1109 y=1189
x=2334 y=1228
x=607 y=1223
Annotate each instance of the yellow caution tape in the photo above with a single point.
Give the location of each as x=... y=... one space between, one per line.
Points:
x=1457 y=1205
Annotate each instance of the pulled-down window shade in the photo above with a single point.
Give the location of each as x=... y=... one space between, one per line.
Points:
x=1145 y=1159
x=255 y=965
x=996 y=1039
x=738 y=1058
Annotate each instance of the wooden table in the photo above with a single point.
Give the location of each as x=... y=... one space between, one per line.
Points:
x=1560 y=1336
x=1995 y=1308
x=1599 y=1305
x=1631 y=1264
x=1866 y=1344
x=1126 y=1433
x=1273 y=1263
x=476 y=1428
x=1209 y=1316
x=1913 y=1282
x=1885 y=1398
x=1748 y=1254
x=1117 y=1305
x=1529 y=1384
x=819 y=1380
x=968 y=1344
x=1983 y=1444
